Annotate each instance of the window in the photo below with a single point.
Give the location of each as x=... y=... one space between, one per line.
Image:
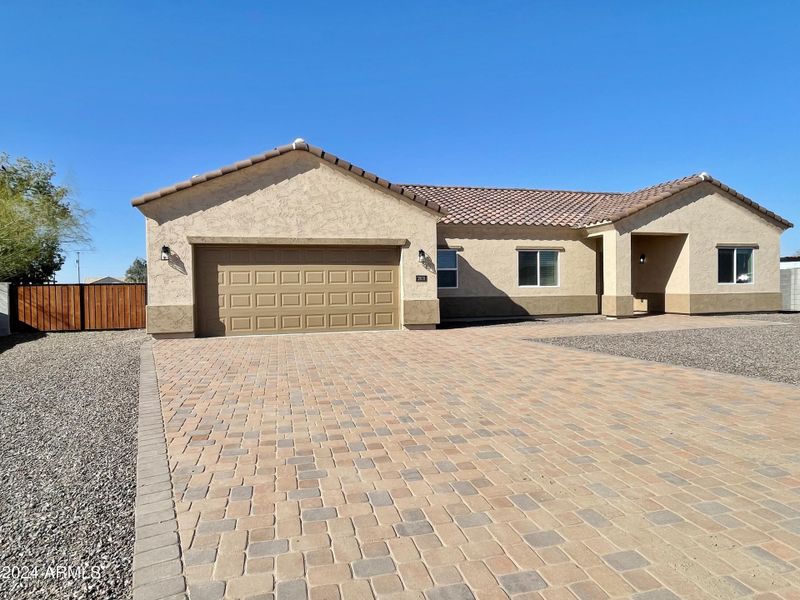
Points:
x=735 y=265
x=447 y=268
x=538 y=268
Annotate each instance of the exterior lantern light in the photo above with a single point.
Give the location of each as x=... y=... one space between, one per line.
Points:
x=165 y=252
x=422 y=256
x=642 y=259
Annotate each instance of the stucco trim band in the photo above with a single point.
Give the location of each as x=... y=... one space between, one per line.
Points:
x=290 y=241
x=687 y=304
x=617 y=306
x=738 y=245
x=735 y=302
x=468 y=307
x=545 y=248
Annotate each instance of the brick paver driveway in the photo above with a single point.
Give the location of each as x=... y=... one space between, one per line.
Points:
x=475 y=463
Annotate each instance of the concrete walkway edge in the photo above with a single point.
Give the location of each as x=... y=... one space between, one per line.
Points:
x=157 y=564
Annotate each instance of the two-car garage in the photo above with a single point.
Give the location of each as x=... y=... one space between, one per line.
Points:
x=262 y=289
x=294 y=240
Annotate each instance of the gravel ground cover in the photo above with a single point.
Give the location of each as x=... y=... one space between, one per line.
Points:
x=68 y=410
x=768 y=352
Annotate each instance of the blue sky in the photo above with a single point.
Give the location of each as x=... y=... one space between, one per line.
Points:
x=128 y=97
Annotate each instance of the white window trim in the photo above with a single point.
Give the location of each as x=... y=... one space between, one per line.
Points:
x=735 y=250
x=438 y=269
x=538 y=267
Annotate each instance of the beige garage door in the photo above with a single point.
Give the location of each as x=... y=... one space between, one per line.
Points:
x=243 y=290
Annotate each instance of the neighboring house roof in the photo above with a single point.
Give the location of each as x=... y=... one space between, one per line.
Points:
x=107 y=279
x=496 y=206
x=515 y=206
x=298 y=145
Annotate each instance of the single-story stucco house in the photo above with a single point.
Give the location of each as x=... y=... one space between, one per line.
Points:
x=299 y=240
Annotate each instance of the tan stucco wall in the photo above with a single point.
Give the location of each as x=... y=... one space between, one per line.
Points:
x=710 y=217
x=295 y=196
x=487 y=270
x=420 y=312
x=616 y=247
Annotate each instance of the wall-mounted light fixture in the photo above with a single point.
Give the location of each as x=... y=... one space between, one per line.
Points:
x=165 y=251
x=642 y=259
x=422 y=256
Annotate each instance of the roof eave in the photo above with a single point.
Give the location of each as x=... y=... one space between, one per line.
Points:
x=279 y=151
x=706 y=178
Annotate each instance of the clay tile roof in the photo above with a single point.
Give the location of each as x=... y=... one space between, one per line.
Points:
x=512 y=206
x=298 y=145
x=496 y=206
x=560 y=208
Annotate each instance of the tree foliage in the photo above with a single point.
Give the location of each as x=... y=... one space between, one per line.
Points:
x=137 y=272
x=38 y=220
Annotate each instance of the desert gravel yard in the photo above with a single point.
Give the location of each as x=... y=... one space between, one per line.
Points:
x=769 y=352
x=68 y=408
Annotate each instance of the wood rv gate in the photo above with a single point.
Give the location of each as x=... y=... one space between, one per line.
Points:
x=79 y=307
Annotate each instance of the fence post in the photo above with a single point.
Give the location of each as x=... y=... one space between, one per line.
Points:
x=5 y=309
x=81 y=307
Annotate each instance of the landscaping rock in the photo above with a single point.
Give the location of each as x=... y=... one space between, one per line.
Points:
x=68 y=417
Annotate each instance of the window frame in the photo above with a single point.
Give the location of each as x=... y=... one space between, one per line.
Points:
x=736 y=250
x=439 y=269
x=538 y=252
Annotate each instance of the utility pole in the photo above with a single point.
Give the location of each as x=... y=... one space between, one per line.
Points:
x=78 y=261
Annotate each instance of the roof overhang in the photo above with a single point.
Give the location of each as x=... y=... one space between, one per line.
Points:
x=706 y=178
x=296 y=146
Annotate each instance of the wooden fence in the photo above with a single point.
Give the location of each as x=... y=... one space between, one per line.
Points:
x=79 y=307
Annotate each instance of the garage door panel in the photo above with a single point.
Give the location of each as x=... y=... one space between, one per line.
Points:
x=315 y=321
x=240 y=277
x=316 y=276
x=241 y=323
x=267 y=324
x=265 y=277
x=362 y=319
x=266 y=300
x=338 y=277
x=240 y=301
x=338 y=298
x=290 y=277
x=290 y=300
x=339 y=321
x=261 y=290
x=384 y=318
x=291 y=322
x=384 y=297
x=361 y=276
x=315 y=299
x=384 y=276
